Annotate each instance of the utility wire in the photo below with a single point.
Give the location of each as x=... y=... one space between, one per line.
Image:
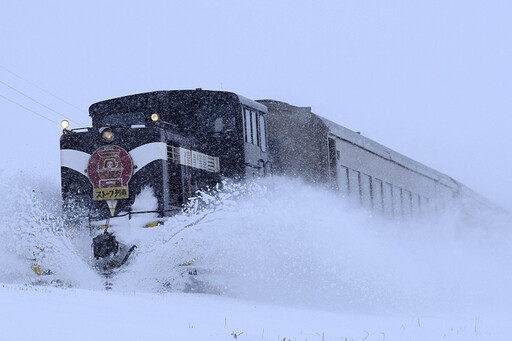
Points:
x=43 y=90
x=34 y=100
x=32 y=111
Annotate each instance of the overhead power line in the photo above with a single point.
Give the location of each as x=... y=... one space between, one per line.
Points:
x=28 y=109
x=36 y=101
x=30 y=98
x=42 y=89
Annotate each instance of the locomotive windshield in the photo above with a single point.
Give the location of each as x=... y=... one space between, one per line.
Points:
x=124 y=119
x=216 y=119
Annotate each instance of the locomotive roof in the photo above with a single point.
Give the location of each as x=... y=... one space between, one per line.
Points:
x=163 y=96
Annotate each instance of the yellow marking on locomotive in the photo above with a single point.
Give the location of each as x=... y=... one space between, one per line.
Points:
x=153 y=224
x=37 y=269
x=111 y=193
x=190 y=262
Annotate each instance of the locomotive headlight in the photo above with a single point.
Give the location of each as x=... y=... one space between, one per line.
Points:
x=107 y=134
x=154 y=117
x=64 y=124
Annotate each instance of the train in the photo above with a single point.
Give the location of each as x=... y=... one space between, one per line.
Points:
x=180 y=141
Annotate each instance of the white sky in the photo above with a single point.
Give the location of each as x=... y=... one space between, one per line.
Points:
x=432 y=80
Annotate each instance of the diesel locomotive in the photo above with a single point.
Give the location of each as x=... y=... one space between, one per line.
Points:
x=174 y=141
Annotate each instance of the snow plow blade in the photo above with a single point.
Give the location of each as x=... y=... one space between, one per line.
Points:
x=109 y=254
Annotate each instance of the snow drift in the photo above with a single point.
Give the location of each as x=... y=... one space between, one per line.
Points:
x=275 y=240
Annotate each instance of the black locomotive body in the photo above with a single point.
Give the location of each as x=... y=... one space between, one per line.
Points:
x=177 y=142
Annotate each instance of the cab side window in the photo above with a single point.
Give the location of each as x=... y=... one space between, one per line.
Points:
x=247 y=125
x=254 y=125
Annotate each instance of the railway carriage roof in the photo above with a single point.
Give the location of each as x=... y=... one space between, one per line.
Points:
x=386 y=153
x=365 y=143
x=377 y=148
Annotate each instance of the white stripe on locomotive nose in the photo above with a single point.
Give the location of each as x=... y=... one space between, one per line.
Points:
x=148 y=153
x=75 y=160
x=143 y=155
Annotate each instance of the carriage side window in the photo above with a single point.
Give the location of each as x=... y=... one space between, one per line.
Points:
x=425 y=206
x=353 y=185
x=263 y=134
x=366 y=191
x=377 y=194
x=387 y=199
x=343 y=180
x=406 y=202
x=415 y=204
x=419 y=203
x=397 y=201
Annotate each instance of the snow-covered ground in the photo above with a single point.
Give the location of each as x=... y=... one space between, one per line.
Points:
x=41 y=313
x=276 y=260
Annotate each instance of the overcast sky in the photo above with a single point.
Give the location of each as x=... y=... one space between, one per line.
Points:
x=432 y=80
